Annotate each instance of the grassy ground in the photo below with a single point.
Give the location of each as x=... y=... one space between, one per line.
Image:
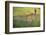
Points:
x=21 y=23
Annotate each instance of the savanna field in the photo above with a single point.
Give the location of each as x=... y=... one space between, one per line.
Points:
x=26 y=17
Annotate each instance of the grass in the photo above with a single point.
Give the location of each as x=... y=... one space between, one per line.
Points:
x=21 y=23
x=35 y=23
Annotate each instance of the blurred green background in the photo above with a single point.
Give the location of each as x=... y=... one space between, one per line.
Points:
x=25 y=17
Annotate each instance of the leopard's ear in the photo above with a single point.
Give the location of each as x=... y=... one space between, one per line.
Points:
x=35 y=10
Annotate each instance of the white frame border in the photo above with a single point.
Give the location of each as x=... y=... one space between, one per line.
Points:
x=11 y=29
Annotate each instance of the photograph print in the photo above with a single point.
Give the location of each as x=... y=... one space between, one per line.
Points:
x=23 y=17
x=26 y=17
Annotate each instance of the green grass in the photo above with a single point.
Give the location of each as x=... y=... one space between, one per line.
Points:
x=17 y=11
x=35 y=23
x=21 y=23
